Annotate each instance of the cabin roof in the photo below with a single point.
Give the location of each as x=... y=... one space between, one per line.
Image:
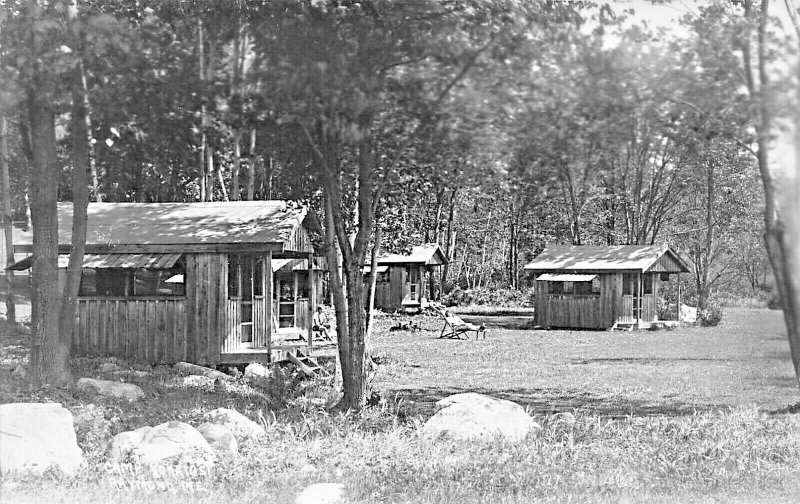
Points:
x=427 y=253
x=268 y=223
x=585 y=258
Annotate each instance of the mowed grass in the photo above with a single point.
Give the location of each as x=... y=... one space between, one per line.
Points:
x=692 y=415
x=744 y=361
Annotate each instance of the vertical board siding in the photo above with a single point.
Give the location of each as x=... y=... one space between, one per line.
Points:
x=142 y=329
x=626 y=316
x=649 y=311
x=259 y=321
x=571 y=311
x=206 y=306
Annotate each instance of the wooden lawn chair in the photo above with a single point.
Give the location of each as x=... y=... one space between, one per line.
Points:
x=454 y=327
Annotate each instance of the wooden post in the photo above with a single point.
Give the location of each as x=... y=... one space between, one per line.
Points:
x=678 y=307
x=639 y=303
x=269 y=301
x=311 y=303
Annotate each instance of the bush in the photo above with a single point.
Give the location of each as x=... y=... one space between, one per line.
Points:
x=491 y=297
x=711 y=315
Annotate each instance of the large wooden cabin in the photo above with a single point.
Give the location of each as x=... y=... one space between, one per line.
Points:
x=403 y=278
x=594 y=287
x=208 y=283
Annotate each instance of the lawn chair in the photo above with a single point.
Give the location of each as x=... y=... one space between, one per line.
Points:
x=454 y=327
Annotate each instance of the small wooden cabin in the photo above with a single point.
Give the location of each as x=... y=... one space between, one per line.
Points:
x=596 y=287
x=208 y=283
x=402 y=278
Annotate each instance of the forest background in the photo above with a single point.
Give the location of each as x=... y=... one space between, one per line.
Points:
x=492 y=128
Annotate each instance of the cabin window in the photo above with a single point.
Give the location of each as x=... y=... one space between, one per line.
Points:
x=140 y=282
x=628 y=281
x=233 y=276
x=647 y=284
x=245 y=276
x=555 y=287
x=302 y=286
x=583 y=288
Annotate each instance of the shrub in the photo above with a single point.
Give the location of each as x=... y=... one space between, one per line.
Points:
x=711 y=315
x=487 y=296
x=774 y=302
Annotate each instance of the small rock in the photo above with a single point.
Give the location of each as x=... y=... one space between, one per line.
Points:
x=187 y=368
x=241 y=426
x=198 y=381
x=322 y=493
x=256 y=371
x=125 y=442
x=35 y=436
x=109 y=367
x=219 y=437
x=117 y=390
x=472 y=416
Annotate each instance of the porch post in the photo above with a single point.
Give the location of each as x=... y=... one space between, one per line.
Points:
x=269 y=302
x=311 y=302
x=678 y=308
x=639 y=304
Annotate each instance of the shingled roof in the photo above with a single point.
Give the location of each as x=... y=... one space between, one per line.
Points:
x=427 y=253
x=273 y=225
x=634 y=258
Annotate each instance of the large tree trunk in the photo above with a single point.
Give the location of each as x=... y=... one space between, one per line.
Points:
x=48 y=358
x=8 y=224
x=80 y=199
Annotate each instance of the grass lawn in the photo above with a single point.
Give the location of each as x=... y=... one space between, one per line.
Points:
x=691 y=415
x=743 y=361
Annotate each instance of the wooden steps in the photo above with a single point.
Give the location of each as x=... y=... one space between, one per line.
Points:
x=623 y=326
x=307 y=364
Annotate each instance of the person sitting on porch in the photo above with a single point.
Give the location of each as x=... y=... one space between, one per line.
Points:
x=320 y=323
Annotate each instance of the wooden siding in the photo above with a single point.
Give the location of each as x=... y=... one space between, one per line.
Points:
x=298 y=241
x=582 y=312
x=206 y=294
x=149 y=330
x=232 y=337
x=665 y=264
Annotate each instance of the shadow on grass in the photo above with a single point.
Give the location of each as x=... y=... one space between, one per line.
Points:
x=548 y=401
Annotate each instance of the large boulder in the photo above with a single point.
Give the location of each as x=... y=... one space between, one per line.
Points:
x=473 y=416
x=152 y=445
x=219 y=437
x=198 y=381
x=116 y=390
x=35 y=436
x=242 y=427
x=194 y=369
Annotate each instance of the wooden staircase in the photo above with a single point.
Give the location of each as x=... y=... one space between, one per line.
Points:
x=307 y=364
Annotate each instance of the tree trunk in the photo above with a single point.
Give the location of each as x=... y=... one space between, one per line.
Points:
x=237 y=157
x=373 y=282
x=48 y=358
x=80 y=199
x=8 y=224
x=251 y=167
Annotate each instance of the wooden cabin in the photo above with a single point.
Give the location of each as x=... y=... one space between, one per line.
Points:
x=596 y=287
x=208 y=283
x=404 y=280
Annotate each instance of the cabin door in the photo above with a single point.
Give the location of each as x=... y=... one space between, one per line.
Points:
x=631 y=299
x=247 y=306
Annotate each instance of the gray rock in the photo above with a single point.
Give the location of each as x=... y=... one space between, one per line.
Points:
x=241 y=426
x=322 y=493
x=34 y=436
x=194 y=369
x=109 y=367
x=256 y=371
x=219 y=437
x=129 y=374
x=473 y=416
x=116 y=390
x=152 y=445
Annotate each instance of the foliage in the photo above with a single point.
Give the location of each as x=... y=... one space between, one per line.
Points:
x=711 y=315
x=487 y=296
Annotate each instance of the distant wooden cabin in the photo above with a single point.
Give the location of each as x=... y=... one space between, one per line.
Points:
x=594 y=287
x=207 y=283
x=404 y=280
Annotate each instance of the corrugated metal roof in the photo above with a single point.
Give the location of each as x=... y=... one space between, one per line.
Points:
x=565 y=277
x=253 y=222
x=603 y=258
x=427 y=253
x=153 y=261
x=379 y=269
